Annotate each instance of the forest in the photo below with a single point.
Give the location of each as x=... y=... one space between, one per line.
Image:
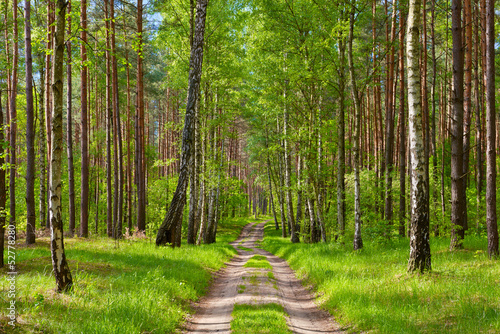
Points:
x=139 y=138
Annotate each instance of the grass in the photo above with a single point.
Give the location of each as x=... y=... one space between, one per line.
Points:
x=246 y=249
x=259 y=319
x=136 y=288
x=258 y=261
x=370 y=290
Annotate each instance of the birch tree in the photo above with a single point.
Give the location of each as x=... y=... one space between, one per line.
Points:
x=420 y=253
x=62 y=273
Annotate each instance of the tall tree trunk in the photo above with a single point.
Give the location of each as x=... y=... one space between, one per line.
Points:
x=271 y=198
x=30 y=131
x=479 y=108
x=489 y=74
x=194 y=184
x=62 y=273
x=109 y=121
x=117 y=130
x=341 y=142
x=389 y=123
x=435 y=171
x=175 y=211
x=42 y=142
x=467 y=103
x=402 y=127
x=358 y=241
x=140 y=170
x=48 y=102
x=84 y=203
x=288 y=172
x=458 y=205
x=13 y=121
x=420 y=252
x=3 y=192
x=69 y=127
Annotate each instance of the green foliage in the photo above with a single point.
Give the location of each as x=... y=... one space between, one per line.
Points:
x=252 y=319
x=369 y=290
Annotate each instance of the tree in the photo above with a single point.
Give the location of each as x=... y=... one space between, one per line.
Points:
x=30 y=131
x=3 y=193
x=84 y=204
x=175 y=211
x=489 y=73
x=139 y=133
x=117 y=128
x=358 y=241
x=13 y=120
x=458 y=203
x=69 y=135
x=420 y=253
x=62 y=273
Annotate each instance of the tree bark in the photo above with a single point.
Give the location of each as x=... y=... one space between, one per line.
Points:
x=341 y=142
x=117 y=130
x=389 y=124
x=13 y=121
x=489 y=74
x=140 y=170
x=3 y=192
x=176 y=208
x=84 y=214
x=458 y=204
x=288 y=171
x=358 y=241
x=62 y=273
x=69 y=127
x=30 y=131
x=402 y=128
x=420 y=254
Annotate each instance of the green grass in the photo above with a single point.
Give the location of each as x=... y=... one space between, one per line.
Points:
x=258 y=261
x=370 y=290
x=259 y=319
x=136 y=288
x=246 y=249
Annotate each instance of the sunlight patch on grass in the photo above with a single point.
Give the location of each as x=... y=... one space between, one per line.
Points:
x=259 y=319
x=258 y=261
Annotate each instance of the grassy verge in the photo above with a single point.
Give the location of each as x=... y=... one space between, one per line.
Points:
x=135 y=288
x=370 y=289
x=259 y=319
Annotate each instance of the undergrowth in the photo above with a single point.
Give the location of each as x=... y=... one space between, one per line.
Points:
x=370 y=290
x=133 y=288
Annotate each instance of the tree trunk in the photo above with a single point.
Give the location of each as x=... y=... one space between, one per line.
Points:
x=30 y=131
x=62 y=274
x=175 y=211
x=3 y=192
x=458 y=205
x=389 y=124
x=13 y=122
x=271 y=198
x=420 y=253
x=117 y=130
x=84 y=204
x=288 y=172
x=194 y=184
x=140 y=170
x=341 y=142
x=467 y=103
x=489 y=74
x=69 y=135
x=358 y=241
x=402 y=129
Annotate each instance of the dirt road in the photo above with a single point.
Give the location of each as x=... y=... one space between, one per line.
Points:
x=237 y=284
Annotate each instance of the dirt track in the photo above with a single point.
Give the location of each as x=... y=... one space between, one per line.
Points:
x=213 y=312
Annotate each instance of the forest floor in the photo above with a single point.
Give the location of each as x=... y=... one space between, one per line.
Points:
x=257 y=277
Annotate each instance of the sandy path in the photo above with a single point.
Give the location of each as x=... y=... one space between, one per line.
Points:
x=237 y=284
